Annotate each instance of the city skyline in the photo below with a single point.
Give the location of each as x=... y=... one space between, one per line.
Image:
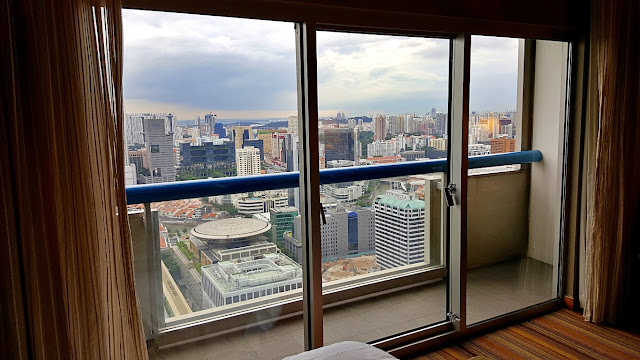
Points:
x=192 y=65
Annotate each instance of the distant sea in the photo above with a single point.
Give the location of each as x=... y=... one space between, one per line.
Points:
x=238 y=122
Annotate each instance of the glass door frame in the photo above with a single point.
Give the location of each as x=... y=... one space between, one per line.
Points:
x=453 y=218
x=456 y=217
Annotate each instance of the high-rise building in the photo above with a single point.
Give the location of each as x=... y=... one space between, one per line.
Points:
x=248 y=161
x=130 y=175
x=380 y=128
x=438 y=144
x=134 y=127
x=412 y=155
x=292 y=124
x=239 y=134
x=159 y=146
x=344 y=233
x=209 y=153
x=140 y=158
x=441 y=123
x=209 y=125
x=281 y=220
x=381 y=148
x=277 y=140
x=400 y=229
x=341 y=144
x=503 y=145
x=256 y=143
x=291 y=148
x=260 y=204
x=266 y=137
x=218 y=129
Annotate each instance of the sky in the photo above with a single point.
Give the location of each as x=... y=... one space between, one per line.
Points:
x=191 y=65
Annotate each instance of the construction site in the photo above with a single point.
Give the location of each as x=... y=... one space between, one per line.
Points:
x=336 y=269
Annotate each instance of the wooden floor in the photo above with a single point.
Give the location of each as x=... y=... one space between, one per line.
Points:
x=560 y=335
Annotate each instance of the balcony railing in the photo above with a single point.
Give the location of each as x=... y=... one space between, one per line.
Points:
x=147 y=252
x=221 y=186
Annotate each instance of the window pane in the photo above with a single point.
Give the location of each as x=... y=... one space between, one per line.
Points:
x=514 y=216
x=212 y=97
x=382 y=99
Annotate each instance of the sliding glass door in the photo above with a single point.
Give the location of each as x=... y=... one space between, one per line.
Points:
x=345 y=183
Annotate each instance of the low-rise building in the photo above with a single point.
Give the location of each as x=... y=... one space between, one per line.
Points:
x=246 y=276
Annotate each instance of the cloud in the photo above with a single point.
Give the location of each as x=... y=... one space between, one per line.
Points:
x=366 y=74
x=193 y=64
x=204 y=62
x=494 y=73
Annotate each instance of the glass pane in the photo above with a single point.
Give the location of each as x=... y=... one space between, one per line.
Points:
x=382 y=99
x=514 y=210
x=215 y=97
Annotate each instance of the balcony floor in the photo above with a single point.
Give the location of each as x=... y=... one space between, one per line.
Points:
x=492 y=291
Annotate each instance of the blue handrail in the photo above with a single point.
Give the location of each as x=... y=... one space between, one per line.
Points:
x=220 y=186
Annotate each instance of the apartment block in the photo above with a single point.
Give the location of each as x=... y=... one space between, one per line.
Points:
x=399 y=229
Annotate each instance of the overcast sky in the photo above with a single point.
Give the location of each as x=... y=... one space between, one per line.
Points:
x=237 y=68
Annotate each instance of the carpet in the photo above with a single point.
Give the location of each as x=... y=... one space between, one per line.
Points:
x=560 y=335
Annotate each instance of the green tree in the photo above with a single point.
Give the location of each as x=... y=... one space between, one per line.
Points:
x=170 y=263
x=365 y=138
x=144 y=171
x=226 y=207
x=432 y=153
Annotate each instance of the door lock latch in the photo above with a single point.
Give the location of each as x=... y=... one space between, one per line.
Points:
x=453 y=316
x=450 y=194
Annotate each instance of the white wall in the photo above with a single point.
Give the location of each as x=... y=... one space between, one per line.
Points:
x=548 y=137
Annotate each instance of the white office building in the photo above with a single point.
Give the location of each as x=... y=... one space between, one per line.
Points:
x=345 y=233
x=381 y=148
x=248 y=161
x=259 y=205
x=346 y=194
x=250 y=275
x=399 y=229
x=479 y=149
x=130 y=175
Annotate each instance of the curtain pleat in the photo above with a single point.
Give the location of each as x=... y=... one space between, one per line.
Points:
x=614 y=193
x=70 y=289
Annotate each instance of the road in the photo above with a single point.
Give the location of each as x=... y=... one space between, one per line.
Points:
x=190 y=284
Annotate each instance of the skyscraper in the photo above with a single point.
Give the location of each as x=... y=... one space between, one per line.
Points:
x=400 y=229
x=341 y=144
x=238 y=133
x=293 y=124
x=159 y=146
x=209 y=124
x=441 y=123
x=133 y=126
x=219 y=130
x=281 y=220
x=248 y=161
x=343 y=234
x=380 y=131
x=256 y=143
